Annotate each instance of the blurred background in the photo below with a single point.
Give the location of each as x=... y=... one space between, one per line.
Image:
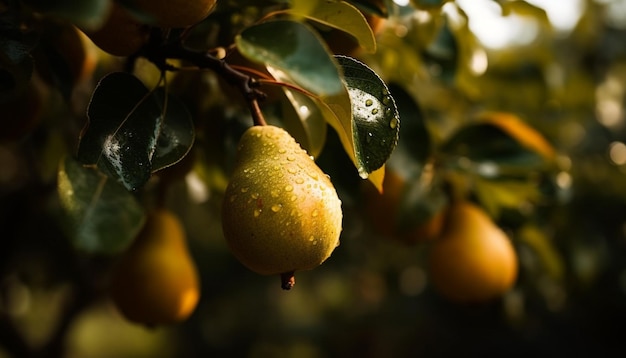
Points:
x=559 y=66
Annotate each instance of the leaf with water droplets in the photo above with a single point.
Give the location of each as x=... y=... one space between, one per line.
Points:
x=375 y=117
x=98 y=214
x=132 y=132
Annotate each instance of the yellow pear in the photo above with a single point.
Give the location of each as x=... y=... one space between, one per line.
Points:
x=156 y=281
x=280 y=212
x=473 y=260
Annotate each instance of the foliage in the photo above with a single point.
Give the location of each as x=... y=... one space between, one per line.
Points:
x=531 y=132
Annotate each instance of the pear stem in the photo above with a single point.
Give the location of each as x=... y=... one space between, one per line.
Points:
x=287 y=280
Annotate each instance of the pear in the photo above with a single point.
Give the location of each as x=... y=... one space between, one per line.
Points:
x=280 y=212
x=473 y=260
x=156 y=281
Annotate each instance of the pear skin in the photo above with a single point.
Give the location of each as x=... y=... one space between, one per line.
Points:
x=280 y=212
x=473 y=260
x=156 y=281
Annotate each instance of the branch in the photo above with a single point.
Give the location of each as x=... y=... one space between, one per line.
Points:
x=159 y=53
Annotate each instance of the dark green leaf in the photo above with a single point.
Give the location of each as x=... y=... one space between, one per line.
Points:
x=414 y=144
x=375 y=118
x=294 y=48
x=485 y=142
x=177 y=133
x=443 y=52
x=100 y=216
x=126 y=130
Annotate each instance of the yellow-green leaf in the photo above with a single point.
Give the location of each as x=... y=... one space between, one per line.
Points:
x=340 y=15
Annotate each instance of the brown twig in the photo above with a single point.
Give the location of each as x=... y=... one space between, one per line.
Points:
x=158 y=53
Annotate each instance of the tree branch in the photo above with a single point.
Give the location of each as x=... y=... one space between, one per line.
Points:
x=159 y=53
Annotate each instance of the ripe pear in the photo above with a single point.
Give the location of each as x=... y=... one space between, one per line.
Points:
x=156 y=281
x=473 y=260
x=280 y=212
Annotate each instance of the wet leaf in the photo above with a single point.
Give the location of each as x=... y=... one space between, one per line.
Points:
x=294 y=48
x=375 y=117
x=100 y=216
x=133 y=132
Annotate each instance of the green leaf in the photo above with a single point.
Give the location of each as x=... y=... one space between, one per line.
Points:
x=375 y=117
x=539 y=241
x=100 y=216
x=132 y=132
x=443 y=52
x=84 y=13
x=295 y=49
x=496 y=195
x=414 y=144
x=177 y=133
x=486 y=142
x=340 y=15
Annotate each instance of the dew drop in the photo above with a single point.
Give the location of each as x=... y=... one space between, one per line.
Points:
x=369 y=137
x=293 y=198
x=276 y=207
x=288 y=188
x=257 y=213
x=393 y=123
x=255 y=196
x=275 y=193
x=375 y=111
x=291 y=158
x=315 y=213
x=314 y=176
x=311 y=238
x=282 y=151
x=369 y=102
x=244 y=190
x=299 y=180
x=291 y=170
x=386 y=100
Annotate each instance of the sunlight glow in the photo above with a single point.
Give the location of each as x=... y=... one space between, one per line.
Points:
x=563 y=14
x=493 y=29
x=497 y=31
